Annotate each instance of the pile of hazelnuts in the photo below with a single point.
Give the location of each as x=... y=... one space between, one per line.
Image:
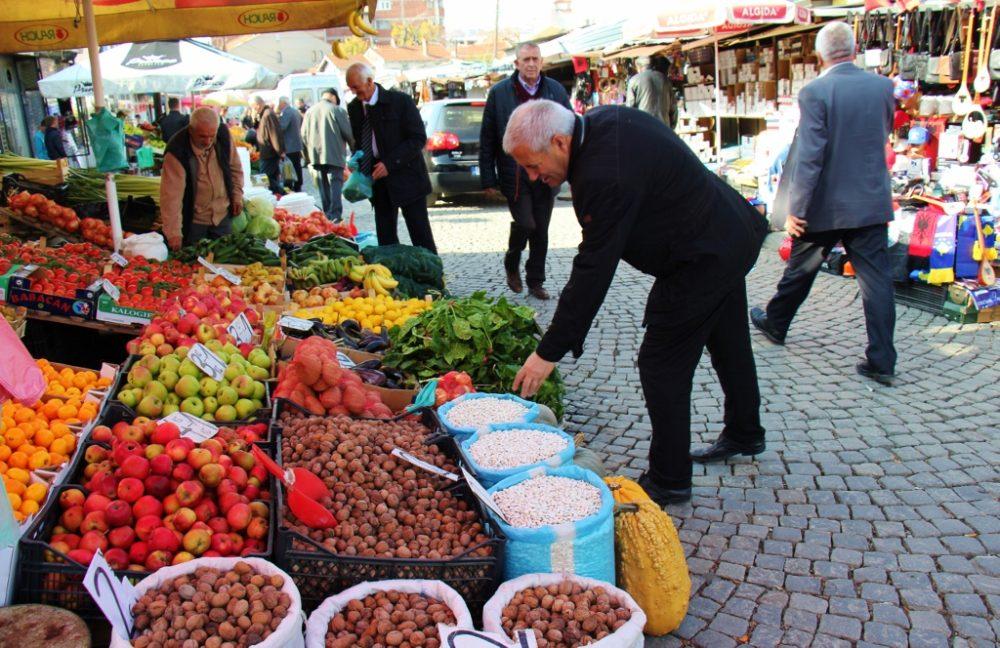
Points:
x=565 y=615
x=389 y=618
x=385 y=506
x=211 y=608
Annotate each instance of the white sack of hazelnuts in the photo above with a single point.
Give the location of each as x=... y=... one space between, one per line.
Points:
x=319 y=634
x=627 y=635
x=288 y=633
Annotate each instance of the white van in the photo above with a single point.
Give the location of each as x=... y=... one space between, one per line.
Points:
x=306 y=86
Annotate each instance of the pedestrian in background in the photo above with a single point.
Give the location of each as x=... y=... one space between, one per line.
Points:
x=530 y=201
x=53 y=139
x=326 y=131
x=386 y=125
x=269 y=143
x=172 y=122
x=651 y=91
x=835 y=187
x=38 y=142
x=290 y=120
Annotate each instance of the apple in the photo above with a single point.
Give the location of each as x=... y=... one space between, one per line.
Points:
x=137 y=552
x=222 y=543
x=130 y=489
x=238 y=543
x=182 y=557
x=135 y=466
x=164 y=433
x=147 y=505
x=95 y=454
x=122 y=536
x=145 y=525
x=161 y=464
x=163 y=539
x=154 y=450
x=101 y=434
x=95 y=502
x=206 y=509
x=94 y=541
x=157 y=485
x=190 y=492
x=71 y=497
x=199 y=457
x=81 y=556
x=184 y=519
x=259 y=509
x=72 y=518
x=238 y=516
x=118 y=513
x=171 y=504
x=158 y=559
x=197 y=541
x=211 y=474
x=218 y=525
x=116 y=558
x=238 y=476
x=179 y=448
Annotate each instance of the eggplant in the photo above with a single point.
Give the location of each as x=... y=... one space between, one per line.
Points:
x=376 y=346
x=369 y=364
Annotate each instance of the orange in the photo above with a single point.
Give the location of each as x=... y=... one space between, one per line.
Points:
x=17 y=460
x=88 y=411
x=60 y=429
x=3 y=466
x=15 y=487
x=56 y=388
x=15 y=500
x=103 y=382
x=19 y=474
x=22 y=414
x=44 y=438
x=36 y=492
x=57 y=459
x=40 y=459
x=4 y=452
x=29 y=507
x=68 y=412
x=51 y=408
x=14 y=437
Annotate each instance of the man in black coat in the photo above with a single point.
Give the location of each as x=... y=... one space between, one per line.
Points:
x=530 y=202
x=387 y=127
x=642 y=196
x=174 y=121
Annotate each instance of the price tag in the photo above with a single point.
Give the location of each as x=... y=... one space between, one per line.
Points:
x=222 y=272
x=345 y=361
x=191 y=426
x=112 y=290
x=109 y=370
x=273 y=247
x=420 y=463
x=295 y=323
x=207 y=361
x=114 y=597
x=480 y=492
x=453 y=637
x=119 y=259
x=240 y=329
x=91 y=398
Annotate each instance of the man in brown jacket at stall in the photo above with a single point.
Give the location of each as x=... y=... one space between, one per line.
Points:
x=201 y=184
x=270 y=143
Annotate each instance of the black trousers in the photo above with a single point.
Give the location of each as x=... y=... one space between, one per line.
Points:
x=531 y=212
x=272 y=167
x=867 y=248
x=387 y=217
x=675 y=339
x=296 y=159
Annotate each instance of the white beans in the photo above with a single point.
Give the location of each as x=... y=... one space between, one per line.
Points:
x=544 y=500
x=477 y=412
x=511 y=448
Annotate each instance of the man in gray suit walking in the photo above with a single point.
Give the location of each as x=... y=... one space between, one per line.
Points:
x=651 y=92
x=838 y=190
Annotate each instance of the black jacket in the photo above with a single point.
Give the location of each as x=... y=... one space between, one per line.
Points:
x=171 y=123
x=180 y=147
x=498 y=169
x=642 y=196
x=54 y=143
x=400 y=138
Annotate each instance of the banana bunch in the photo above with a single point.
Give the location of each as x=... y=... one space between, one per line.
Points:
x=259 y=273
x=359 y=26
x=322 y=270
x=376 y=278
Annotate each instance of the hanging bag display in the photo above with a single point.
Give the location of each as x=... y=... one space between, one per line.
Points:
x=913 y=63
x=935 y=38
x=951 y=67
x=890 y=56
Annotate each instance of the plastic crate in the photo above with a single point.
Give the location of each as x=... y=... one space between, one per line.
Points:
x=319 y=573
x=921 y=296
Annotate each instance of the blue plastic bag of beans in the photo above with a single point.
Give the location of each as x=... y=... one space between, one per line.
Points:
x=585 y=547
x=464 y=432
x=490 y=476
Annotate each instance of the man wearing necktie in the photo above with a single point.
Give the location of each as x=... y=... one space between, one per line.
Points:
x=387 y=127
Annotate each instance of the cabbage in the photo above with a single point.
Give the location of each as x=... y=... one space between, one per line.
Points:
x=240 y=222
x=271 y=230
x=259 y=207
x=255 y=226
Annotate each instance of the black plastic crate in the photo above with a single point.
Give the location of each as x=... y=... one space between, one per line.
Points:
x=921 y=296
x=137 y=214
x=15 y=183
x=319 y=573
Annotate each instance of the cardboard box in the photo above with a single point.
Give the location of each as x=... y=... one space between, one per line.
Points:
x=5 y=280
x=62 y=306
x=108 y=310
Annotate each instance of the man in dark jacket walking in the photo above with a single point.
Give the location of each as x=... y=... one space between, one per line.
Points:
x=53 y=139
x=174 y=120
x=270 y=143
x=386 y=125
x=530 y=202
x=837 y=188
x=642 y=196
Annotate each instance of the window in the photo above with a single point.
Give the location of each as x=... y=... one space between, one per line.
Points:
x=384 y=5
x=463 y=119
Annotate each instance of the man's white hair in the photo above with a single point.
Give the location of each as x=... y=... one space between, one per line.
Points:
x=835 y=42
x=535 y=123
x=204 y=115
x=361 y=69
x=283 y=100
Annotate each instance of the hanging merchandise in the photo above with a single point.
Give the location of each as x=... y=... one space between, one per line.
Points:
x=107 y=136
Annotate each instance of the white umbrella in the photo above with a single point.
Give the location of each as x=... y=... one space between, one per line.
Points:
x=170 y=67
x=225 y=98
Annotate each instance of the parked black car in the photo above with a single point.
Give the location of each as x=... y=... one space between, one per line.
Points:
x=452 y=151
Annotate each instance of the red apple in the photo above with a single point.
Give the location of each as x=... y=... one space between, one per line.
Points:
x=199 y=457
x=211 y=474
x=197 y=541
x=137 y=552
x=238 y=476
x=163 y=539
x=101 y=434
x=161 y=464
x=72 y=518
x=238 y=516
x=222 y=543
x=157 y=559
x=179 y=448
x=206 y=509
x=171 y=504
x=147 y=505
x=118 y=513
x=145 y=526
x=81 y=556
x=190 y=492
x=117 y=558
x=94 y=540
x=157 y=485
x=122 y=537
x=94 y=521
x=131 y=489
x=183 y=472
x=184 y=518
x=218 y=525
x=71 y=497
x=135 y=466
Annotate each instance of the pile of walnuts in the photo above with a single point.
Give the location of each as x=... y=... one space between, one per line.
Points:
x=565 y=615
x=389 y=618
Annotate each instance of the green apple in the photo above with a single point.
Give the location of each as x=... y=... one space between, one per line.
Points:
x=169 y=363
x=258 y=373
x=182 y=352
x=189 y=368
x=139 y=376
x=155 y=388
x=257 y=404
x=168 y=409
x=233 y=371
x=258 y=391
x=193 y=406
x=127 y=398
x=150 y=406
x=225 y=413
x=244 y=408
x=172 y=398
x=168 y=378
x=187 y=386
x=137 y=393
x=208 y=417
x=211 y=404
x=213 y=345
x=231 y=349
x=243 y=386
x=209 y=386
x=227 y=395
x=260 y=358
x=150 y=362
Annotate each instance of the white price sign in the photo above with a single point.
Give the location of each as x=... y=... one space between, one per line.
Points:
x=119 y=259
x=207 y=361
x=114 y=597
x=112 y=290
x=295 y=323
x=344 y=360
x=222 y=272
x=240 y=329
x=191 y=426
x=480 y=492
x=452 y=637
x=273 y=247
x=420 y=463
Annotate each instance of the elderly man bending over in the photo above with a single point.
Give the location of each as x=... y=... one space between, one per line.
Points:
x=201 y=185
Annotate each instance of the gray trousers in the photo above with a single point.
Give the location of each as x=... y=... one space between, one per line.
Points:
x=330 y=182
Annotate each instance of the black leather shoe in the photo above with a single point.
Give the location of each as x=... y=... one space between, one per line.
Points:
x=724 y=448
x=514 y=281
x=759 y=319
x=538 y=292
x=663 y=496
x=866 y=370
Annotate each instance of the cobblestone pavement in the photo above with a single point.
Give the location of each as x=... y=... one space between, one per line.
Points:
x=873 y=518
